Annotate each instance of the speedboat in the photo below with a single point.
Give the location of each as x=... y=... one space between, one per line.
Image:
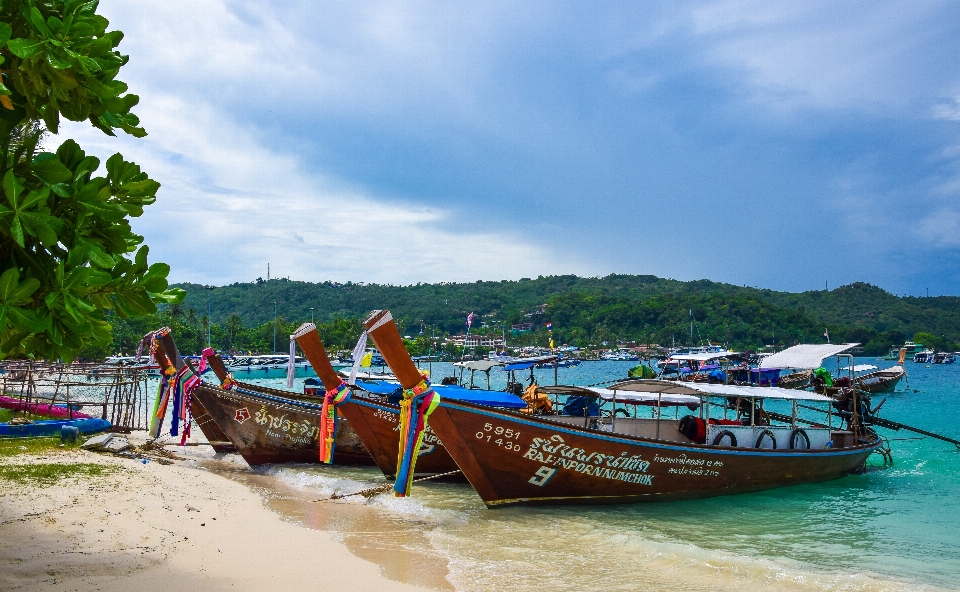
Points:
x=270 y=366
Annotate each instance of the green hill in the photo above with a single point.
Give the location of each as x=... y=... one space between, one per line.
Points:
x=591 y=310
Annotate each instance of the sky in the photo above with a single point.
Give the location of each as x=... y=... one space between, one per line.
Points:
x=789 y=146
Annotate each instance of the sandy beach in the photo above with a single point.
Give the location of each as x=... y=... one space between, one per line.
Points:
x=161 y=527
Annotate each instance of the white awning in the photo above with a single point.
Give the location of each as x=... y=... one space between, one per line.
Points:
x=648 y=385
x=634 y=398
x=805 y=356
x=755 y=392
x=479 y=365
x=702 y=357
x=859 y=368
x=674 y=387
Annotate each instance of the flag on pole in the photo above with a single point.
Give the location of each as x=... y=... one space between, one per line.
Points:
x=470 y=319
x=549 y=326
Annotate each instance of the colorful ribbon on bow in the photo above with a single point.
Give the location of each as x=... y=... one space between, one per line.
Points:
x=415 y=408
x=179 y=388
x=328 y=420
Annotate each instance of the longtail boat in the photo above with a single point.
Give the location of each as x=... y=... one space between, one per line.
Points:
x=169 y=361
x=376 y=421
x=268 y=429
x=275 y=426
x=881 y=381
x=514 y=459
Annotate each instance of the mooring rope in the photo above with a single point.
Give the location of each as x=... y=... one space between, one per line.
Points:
x=372 y=491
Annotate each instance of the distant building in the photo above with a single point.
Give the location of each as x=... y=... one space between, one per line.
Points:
x=521 y=328
x=475 y=341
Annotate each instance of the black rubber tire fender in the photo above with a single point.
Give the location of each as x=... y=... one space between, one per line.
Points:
x=759 y=441
x=719 y=438
x=793 y=438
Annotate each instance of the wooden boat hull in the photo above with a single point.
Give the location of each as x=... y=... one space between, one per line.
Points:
x=377 y=426
x=208 y=426
x=515 y=460
x=267 y=429
x=879 y=382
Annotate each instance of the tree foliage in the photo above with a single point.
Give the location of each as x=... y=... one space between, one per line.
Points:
x=739 y=316
x=67 y=251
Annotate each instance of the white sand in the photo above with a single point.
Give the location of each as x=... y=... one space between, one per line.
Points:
x=135 y=531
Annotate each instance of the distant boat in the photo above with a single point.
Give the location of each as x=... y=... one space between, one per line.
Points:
x=133 y=363
x=924 y=357
x=882 y=380
x=620 y=356
x=944 y=358
x=911 y=347
x=269 y=366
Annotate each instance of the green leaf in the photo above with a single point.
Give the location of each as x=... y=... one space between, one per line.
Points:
x=58 y=61
x=16 y=232
x=12 y=187
x=171 y=296
x=24 y=48
x=13 y=294
x=5 y=32
x=36 y=18
x=51 y=170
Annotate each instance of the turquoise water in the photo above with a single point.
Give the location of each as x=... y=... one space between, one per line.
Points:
x=889 y=529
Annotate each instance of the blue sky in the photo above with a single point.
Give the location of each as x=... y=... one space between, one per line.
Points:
x=775 y=145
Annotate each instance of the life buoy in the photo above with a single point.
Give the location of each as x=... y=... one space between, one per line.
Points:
x=773 y=439
x=694 y=428
x=719 y=438
x=793 y=438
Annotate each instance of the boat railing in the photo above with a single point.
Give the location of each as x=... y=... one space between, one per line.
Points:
x=770 y=436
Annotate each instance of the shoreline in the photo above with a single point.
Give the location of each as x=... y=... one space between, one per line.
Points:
x=159 y=527
x=210 y=520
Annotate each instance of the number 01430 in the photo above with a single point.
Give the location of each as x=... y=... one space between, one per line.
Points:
x=503 y=437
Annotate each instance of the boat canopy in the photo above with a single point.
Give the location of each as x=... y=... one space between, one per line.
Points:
x=525 y=363
x=627 y=397
x=636 y=398
x=859 y=368
x=664 y=387
x=479 y=365
x=757 y=392
x=703 y=357
x=479 y=396
x=564 y=389
x=669 y=387
x=805 y=356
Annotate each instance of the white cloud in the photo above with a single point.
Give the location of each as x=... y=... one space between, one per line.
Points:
x=940 y=228
x=826 y=55
x=229 y=206
x=948 y=110
x=564 y=118
x=231 y=202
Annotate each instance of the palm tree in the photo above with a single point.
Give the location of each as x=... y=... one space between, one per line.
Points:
x=233 y=326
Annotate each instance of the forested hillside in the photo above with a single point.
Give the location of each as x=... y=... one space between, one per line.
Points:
x=584 y=311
